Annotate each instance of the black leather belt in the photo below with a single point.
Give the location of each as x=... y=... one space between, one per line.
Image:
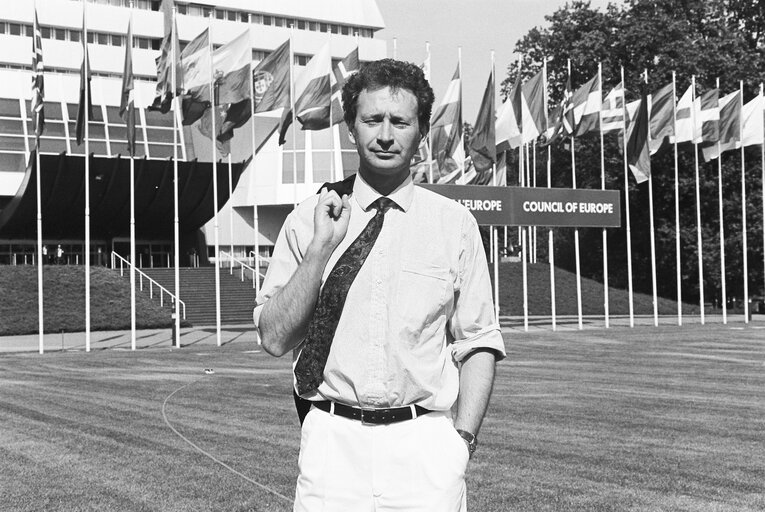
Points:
x=372 y=416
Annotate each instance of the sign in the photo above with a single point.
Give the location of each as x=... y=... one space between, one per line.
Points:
x=520 y=206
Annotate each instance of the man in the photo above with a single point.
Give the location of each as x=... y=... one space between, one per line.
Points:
x=386 y=306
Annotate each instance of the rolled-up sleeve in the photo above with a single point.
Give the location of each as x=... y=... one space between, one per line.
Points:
x=286 y=257
x=473 y=324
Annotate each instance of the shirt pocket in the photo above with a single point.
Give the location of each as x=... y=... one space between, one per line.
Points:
x=422 y=294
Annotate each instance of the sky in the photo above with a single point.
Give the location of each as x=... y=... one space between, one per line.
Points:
x=478 y=26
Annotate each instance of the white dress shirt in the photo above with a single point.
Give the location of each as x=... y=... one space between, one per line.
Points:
x=421 y=302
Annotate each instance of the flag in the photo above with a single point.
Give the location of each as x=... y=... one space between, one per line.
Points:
x=587 y=103
x=223 y=144
x=425 y=66
x=554 y=126
x=420 y=164
x=684 y=118
x=729 y=127
x=753 y=122
x=567 y=116
x=340 y=73
x=271 y=80
x=662 y=116
x=507 y=126
x=446 y=128
x=313 y=92
x=612 y=112
x=164 y=91
x=707 y=117
x=230 y=68
x=638 y=156
x=85 y=74
x=482 y=145
x=127 y=104
x=533 y=114
x=38 y=82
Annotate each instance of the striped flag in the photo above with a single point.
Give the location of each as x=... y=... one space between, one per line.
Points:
x=661 y=107
x=684 y=117
x=340 y=73
x=483 y=144
x=707 y=122
x=729 y=127
x=127 y=103
x=638 y=157
x=569 y=123
x=507 y=126
x=446 y=127
x=612 y=112
x=533 y=113
x=587 y=103
x=754 y=131
x=38 y=81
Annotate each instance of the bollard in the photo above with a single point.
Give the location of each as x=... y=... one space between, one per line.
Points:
x=172 y=329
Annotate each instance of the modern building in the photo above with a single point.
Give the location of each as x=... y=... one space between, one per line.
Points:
x=266 y=186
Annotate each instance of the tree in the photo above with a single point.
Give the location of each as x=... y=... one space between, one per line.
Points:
x=708 y=39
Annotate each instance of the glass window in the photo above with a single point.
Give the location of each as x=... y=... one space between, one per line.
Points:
x=301 y=24
x=322 y=166
x=143 y=43
x=244 y=17
x=14 y=29
x=232 y=15
x=59 y=34
x=279 y=22
x=335 y=29
x=256 y=18
x=9 y=108
x=91 y=37
x=345 y=30
x=287 y=169
x=117 y=40
x=102 y=39
x=2 y=28
x=156 y=44
x=220 y=14
x=312 y=25
x=45 y=31
x=74 y=35
x=182 y=8
x=29 y=30
x=267 y=20
x=323 y=27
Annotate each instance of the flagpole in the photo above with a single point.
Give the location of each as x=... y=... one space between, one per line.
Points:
x=699 y=246
x=677 y=208
x=762 y=174
x=723 y=280
x=38 y=68
x=651 y=225
x=520 y=148
x=86 y=68
x=132 y=211
x=495 y=229
x=292 y=108
x=534 y=184
x=576 y=231
x=461 y=145
x=526 y=242
x=256 y=228
x=430 y=124
x=214 y=132
x=230 y=217
x=627 y=204
x=603 y=187
x=550 y=244
x=331 y=126
x=745 y=247
x=395 y=47
x=176 y=199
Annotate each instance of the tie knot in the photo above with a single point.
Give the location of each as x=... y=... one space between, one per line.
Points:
x=383 y=204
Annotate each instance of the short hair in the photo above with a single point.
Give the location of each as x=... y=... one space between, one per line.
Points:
x=391 y=73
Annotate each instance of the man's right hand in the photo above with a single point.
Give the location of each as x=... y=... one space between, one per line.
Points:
x=330 y=220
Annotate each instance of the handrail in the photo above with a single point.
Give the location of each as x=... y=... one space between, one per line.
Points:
x=152 y=282
x=242 y=264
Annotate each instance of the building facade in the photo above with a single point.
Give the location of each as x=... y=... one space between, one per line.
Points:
x=273 y=180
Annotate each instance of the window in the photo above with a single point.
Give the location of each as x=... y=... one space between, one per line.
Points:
x=312 y=25
x=279 y=22
x=143 y=43
x=156 y=44
x=15 y=29
x=28 y=30
x=301 y=24
x=102 y=39
x=335 y=28
x=182 y=8
x=74 y=35
x=244 y=17
x=231 y=15
x=256 y=18
x=267 y=20
x=59 y=34
x=323 y=27
x=345 y=30
x=220 y=14
x=91 y=37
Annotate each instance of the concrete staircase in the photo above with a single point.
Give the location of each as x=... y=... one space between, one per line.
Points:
x=237 y=298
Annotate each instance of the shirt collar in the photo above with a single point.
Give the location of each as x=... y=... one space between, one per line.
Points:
x=365 y=195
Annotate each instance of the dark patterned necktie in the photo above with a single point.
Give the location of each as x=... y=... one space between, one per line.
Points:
x=309 y=370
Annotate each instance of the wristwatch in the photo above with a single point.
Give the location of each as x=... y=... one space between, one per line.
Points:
x=470 y=439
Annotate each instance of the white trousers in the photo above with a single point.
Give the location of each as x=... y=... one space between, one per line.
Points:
x=415 y=465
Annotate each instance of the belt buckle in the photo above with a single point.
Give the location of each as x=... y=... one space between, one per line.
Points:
x=363 y=420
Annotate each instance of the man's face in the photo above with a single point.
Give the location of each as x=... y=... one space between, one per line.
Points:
x=386 y=131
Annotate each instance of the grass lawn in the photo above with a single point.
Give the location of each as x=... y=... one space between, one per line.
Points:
x=645 y=419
